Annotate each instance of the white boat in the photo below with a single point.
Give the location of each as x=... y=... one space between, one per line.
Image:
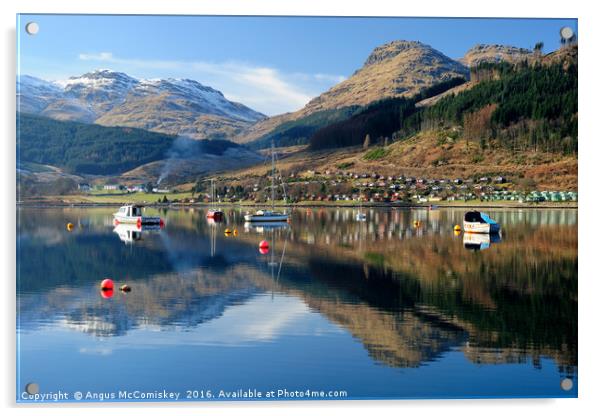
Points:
x=132 y=214
x=268 y=215
x=479 y=222
x=361 y=215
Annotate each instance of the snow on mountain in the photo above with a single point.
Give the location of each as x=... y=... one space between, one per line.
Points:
x=175 y=106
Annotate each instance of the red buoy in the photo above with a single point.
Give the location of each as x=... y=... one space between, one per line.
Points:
x=106 y=293
x=106 y=284
x=161 y=223
x=264 y=244
x=264 y=250
x=139 y=223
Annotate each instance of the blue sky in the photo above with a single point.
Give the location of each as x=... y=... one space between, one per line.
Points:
x=271 y=64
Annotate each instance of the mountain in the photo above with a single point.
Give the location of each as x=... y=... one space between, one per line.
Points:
x=495 y=53
x=173 y=106
x=396 y=69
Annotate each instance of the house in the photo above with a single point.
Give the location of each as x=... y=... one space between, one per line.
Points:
x=85 y=187
x=110 y=187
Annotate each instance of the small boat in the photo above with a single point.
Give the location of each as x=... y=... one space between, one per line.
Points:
x=433 y=207
x=214 y=213
x=132 y=214
x=479 y=222
x=361 y=215
x=268 y=215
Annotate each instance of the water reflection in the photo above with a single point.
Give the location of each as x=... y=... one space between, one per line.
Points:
x=409 y=295
x=477 y=242
x=129 y=233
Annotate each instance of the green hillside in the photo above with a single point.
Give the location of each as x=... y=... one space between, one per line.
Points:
x=92 y=149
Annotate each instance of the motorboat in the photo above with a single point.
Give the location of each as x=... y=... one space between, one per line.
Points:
x=481 y=223
x=132 y=214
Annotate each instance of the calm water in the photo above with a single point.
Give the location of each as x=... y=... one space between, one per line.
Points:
x=387 y=308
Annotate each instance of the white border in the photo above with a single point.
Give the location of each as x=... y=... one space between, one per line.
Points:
x=589 y=190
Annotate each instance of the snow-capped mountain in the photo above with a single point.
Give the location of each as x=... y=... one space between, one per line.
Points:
x=176 y=106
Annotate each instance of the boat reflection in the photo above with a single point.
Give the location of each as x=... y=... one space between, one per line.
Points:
x=129 y=233
x=263 y=227
x=479 y=242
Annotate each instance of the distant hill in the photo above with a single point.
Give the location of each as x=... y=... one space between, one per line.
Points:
x=173 y=106
x=396 y=69
x=81 y=148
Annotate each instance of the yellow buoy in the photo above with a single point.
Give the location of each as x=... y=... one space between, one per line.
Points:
x=235 y=232
x=457 y=232
x=69 y=226
x=457 y=228
x=227 y=232
x=417 y=224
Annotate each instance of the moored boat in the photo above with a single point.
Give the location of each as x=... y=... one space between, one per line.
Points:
x=479 y=222
x=132 y=214
x=214 y=213
x=268 y=215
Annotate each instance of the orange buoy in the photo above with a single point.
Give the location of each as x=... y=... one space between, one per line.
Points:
x=235 y=232
x=69 y=226
x=106 y=284
x=106 y=293
x=125 y=288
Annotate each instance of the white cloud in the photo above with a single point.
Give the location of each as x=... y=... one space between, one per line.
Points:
x=262 y=88
x=102 y=56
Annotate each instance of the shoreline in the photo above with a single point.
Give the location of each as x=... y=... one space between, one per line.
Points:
x=440 y=205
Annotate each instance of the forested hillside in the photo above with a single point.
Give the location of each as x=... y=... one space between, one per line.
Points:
x=92 y=149
x=520 y=106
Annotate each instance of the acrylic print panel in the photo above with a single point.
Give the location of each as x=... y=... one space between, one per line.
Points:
x=295 y=208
